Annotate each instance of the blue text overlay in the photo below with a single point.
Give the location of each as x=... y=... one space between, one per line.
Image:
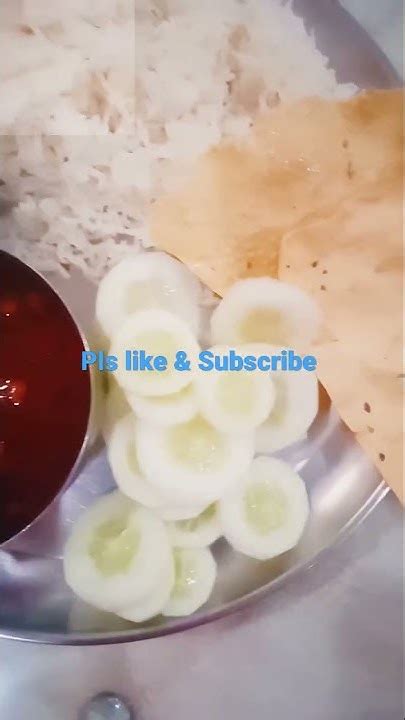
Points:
x=207 y=361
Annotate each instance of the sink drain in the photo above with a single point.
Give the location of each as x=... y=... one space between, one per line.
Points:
x=106 y=706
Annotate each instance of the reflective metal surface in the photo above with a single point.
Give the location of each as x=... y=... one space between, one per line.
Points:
x=35 y=604
x=327 y=645
x=106 y=706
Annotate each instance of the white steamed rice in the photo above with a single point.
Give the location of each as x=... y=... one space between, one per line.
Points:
x=98 y=98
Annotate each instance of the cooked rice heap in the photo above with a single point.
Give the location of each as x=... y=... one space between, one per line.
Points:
x=104 y=103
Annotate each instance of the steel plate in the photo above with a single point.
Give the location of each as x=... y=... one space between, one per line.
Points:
x=36 y=605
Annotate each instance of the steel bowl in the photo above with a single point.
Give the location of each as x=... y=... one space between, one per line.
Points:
x=73 y=337
x=344 y=487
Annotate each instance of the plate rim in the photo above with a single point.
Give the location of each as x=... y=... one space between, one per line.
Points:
x=120 y=637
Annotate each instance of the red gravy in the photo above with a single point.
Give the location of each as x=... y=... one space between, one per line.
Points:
x=44 y=395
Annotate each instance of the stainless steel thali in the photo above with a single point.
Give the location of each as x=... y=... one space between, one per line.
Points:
x=35 y=604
